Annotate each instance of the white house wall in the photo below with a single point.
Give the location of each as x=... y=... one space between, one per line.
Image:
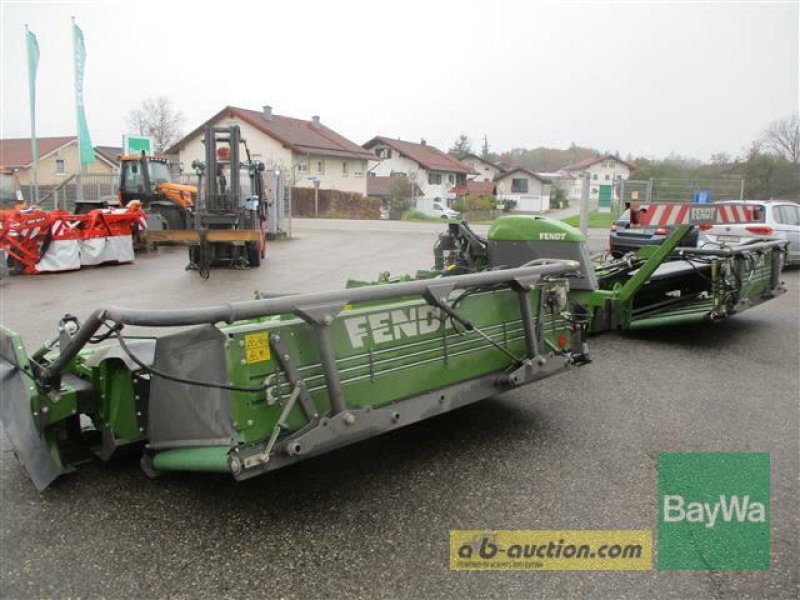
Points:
x=418 y=174
x=485 y=172
x=536 y=200
x=274 y=154
x=605 y=175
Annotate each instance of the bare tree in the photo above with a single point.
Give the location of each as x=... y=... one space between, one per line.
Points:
x=782 y=137
x=157 y=118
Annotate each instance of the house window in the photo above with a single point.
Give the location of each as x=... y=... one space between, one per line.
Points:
x=451 y=179
x=519 y=186
x=344 y=168
x=434 y=178
x=594 y=176
x=61 y=168
x=320 y=166
x=384 y=152
x=608 y=176
x=302 y=167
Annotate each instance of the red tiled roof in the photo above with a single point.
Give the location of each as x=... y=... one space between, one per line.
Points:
x=592 y=160
x=476 y=188
x=303 y=137
x=17 y=152
x=427 y=156
x=381 y=186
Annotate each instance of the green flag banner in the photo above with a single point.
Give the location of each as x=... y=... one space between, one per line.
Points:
x=33 y=63
x=86 y=150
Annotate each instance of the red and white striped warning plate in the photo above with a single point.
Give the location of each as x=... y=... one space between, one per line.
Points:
x=657 y=215
x=734 y=213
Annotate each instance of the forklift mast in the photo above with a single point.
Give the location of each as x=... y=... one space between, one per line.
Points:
x=222 y=189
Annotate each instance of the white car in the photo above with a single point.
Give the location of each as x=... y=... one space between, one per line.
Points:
x=443 y=212
x=773 y=219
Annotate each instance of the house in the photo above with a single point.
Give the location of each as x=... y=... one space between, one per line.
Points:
x=110 y=153
x=476 y=188
x=58 y=159
x=604 y=172
x=435 y=172
x=529 y=190
x=486 y=170
x=569 y=185
x=381 y=186
x=307 y=150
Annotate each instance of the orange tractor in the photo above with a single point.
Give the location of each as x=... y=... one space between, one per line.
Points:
x=148 y=180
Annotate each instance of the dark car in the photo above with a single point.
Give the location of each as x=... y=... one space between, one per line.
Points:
x=624 y=238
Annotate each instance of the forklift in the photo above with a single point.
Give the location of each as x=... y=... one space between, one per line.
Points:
x=228 y=223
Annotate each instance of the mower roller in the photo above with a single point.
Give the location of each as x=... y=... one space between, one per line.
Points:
x=248 y=387
x=658 y=286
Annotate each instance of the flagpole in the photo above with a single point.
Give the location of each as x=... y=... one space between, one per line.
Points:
x=32 y=101
x=77 y=114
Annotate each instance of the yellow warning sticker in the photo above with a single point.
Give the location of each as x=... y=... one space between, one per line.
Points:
x=256 y=347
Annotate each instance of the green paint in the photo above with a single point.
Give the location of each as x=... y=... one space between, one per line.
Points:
x=385 y=352
x=530 y=228
x=606 y=193
x=212 y=459
x=692 y=533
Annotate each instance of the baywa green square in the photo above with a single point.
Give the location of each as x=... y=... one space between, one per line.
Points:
x=714 y=511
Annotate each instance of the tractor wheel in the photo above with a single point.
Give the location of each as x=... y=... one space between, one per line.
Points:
x=172 y=215
x=253 y=253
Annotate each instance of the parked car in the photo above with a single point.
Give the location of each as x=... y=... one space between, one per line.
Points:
x=772 y=219
x=444 y=212
x=624 y=238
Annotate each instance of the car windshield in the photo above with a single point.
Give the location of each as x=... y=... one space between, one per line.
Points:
x=159 y=173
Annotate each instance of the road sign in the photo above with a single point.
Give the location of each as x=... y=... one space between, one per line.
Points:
x=136 y=144
x=702 y=197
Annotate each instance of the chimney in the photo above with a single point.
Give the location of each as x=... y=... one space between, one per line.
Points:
x=267 y=112
x=315 y=120
x=423 y=142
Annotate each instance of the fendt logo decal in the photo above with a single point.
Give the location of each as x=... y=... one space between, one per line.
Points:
x=393 y=325
x=552 y=236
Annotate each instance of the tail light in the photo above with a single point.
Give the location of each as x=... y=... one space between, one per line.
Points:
x=705 y=227
x=614 y=227
x=662 y=231
x=760 y=229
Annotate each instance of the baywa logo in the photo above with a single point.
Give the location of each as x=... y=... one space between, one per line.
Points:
x=714 y=510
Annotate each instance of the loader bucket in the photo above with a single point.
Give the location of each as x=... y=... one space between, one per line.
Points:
x=19 y=400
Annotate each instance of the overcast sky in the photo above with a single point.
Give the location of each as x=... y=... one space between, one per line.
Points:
x=642 y=78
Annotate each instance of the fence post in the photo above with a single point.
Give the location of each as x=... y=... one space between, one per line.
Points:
x=741 y=189
x=650 y=191
x=584 y=222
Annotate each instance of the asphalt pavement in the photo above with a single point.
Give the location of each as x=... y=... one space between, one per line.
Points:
x=576 y=451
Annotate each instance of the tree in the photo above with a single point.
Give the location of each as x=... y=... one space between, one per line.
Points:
x=401 y=193
x=782 y=137
x=487 y=154
x=157 y=118
x=461 y=147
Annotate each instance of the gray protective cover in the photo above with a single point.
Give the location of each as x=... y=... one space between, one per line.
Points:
x=516 y=253
x=180 y=414
x=18 y=423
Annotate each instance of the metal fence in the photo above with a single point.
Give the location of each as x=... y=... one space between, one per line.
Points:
x=676 y=190
x=64 y=195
